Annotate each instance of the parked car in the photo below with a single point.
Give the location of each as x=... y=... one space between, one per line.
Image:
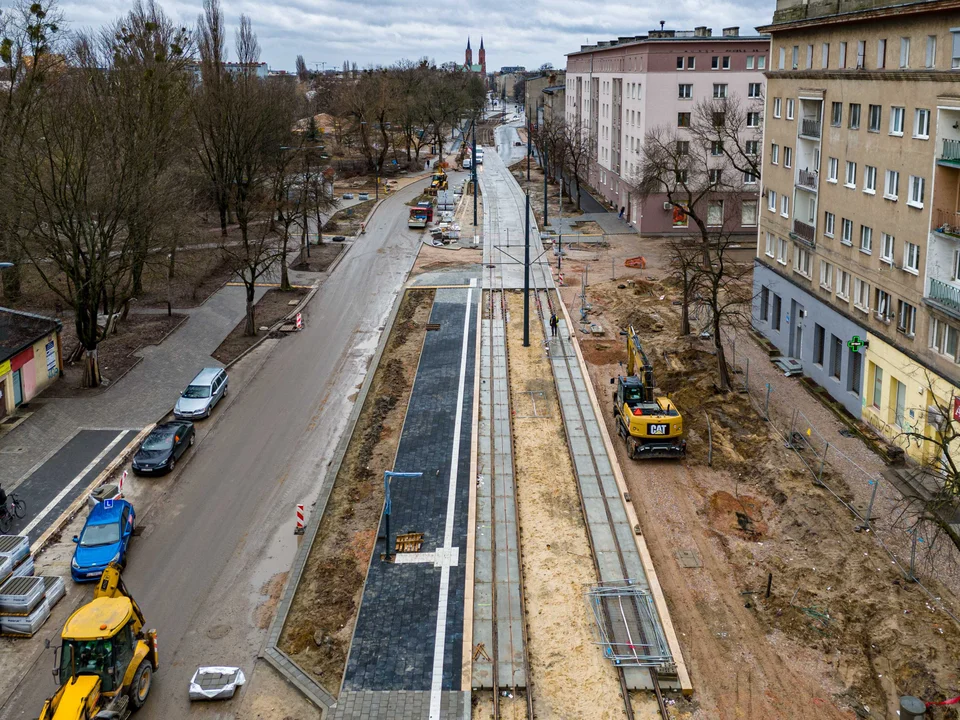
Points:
x=348 y=196
x=104 y=539
x=202 y=394
x=162 y=448
x=364 y=196
x=467 y=163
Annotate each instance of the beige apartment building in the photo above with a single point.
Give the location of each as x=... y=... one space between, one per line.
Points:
x=859 y=233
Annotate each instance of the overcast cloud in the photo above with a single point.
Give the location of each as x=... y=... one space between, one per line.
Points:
x=527 y=33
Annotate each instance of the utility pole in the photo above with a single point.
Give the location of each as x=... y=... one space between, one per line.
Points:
x=529 y=147
x=544 y=163
x=387 y=506
x=526 y=278
x=474 y=168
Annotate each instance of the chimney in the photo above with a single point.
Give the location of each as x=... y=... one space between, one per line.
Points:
x=731 y=32
x=702 y=31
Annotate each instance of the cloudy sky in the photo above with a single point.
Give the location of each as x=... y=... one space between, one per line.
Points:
x=527 y=33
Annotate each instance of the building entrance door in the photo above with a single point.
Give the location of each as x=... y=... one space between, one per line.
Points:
x=17 y=389
x=796 y=338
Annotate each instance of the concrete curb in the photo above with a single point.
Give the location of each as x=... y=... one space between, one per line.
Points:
x=272 y=653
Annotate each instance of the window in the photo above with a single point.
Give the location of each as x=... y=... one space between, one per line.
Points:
x=819 y=335
x=825 y=56
x=916 y=191
x=715 y=63
x=956 y=266
x=761 y=62
x=883 y=305
x=869 y=179
x=683 y=120
x=826 y=274
x=843 y=284
x=764 y=303
x=850 y=179
x=719 y=90
x=680 y=63
x=856 y=363
x=846 y=231
x=776 y=107
x=921 y=124
x=788 y=157
x=861 y=295
x=726 y=62
x=685 y=91
x=896 y=120
x=829 y=221
x=955 y=54
x=904 y=52
x=748 y=213
x=752 y=147
x=774 y=154
x=861 y=51
x=881 y=54
x=931 y=58
x=836 y=114
x=873 y=118
x=843 y=56
x=681 y=176
x=833 y=167
x=770 y=249
x=911 y=258
x=796 y=56
x=683 y=147
x=809 y=56
x=775 y=321
x=891 y=187
x=906 y=318
x=790 y=106
x=781 y=251
x=944 y=338
x=785 y=206
x=749 y=62
x=836 y=356
x=801 y=261
x=854 y=116
x=877 y=385
x=866 y=239
x=772 y=200
x=899 y=391
x=783 y=58
x=716 y=148
x=715 y=176
x=749 y=178
x=715 y=212
x=887 y=243
x=719 y=118
x=754 y=90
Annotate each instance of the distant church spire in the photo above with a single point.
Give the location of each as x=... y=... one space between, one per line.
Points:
x=468 y=55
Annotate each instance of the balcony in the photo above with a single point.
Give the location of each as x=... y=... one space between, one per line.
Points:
x=946 y=222
x=807 y=180
x=803 y=231
x=951 y=152
x=810 y=128
x=945 y=295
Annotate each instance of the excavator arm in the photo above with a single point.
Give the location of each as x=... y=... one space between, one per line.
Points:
x=637 y=363
x=111 y=586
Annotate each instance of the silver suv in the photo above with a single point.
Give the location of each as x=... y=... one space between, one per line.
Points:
x=202 y=394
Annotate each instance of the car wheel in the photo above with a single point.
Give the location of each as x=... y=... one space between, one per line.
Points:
x=140 y=687
x=173 y=464
x=192 y=438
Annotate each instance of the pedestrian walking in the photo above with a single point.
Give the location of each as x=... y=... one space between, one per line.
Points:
x=622 y=211
x=554 y=324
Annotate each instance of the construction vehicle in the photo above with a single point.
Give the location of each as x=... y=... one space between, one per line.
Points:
x=420 y=215
x=106 y=663
x=651 y=426
x=437 y=182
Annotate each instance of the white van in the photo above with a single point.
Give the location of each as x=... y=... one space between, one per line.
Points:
x=467 y=162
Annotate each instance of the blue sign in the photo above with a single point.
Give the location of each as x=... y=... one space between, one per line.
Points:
x=108 y=504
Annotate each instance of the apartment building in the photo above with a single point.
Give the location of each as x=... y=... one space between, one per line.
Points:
x=859 y=232
x=618 y=90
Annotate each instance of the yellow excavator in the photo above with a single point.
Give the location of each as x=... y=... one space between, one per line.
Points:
x=437 y=182
x=651 y=426
x=106 y=663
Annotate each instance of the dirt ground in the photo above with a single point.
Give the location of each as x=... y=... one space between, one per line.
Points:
x=433 y=258
x=347 y=221
x=842 y=634
x=321 y=257
x=535 y=188
x=570 y=677
x=318 y=630
x=270 y=309
x=117 y=354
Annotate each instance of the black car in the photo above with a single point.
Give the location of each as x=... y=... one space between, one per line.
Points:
x=163 y=447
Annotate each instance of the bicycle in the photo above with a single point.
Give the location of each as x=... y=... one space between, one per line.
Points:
x=14 y=508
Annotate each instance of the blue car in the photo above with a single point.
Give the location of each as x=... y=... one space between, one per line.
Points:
x=105 y=539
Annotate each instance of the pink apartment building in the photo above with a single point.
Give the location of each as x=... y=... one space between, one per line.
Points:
x=618 y=90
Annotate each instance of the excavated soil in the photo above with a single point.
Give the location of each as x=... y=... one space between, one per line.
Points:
x=320 y=624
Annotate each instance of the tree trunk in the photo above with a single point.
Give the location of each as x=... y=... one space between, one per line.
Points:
x=91 y=369
x=685 y=306
x=723 y=371
x=11 y=284
x=250 y=327
x=223 y=219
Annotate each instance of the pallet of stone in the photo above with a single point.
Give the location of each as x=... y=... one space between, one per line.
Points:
x=6 y=568
x=55 y=588
x=25 y=626
x=19 y=596
x=16 y=547
x=25 y=568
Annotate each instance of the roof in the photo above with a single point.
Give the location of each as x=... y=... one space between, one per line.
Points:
x=554 y=88
x=101 y=515
x=19 y=330
x=205 y=376
x=667 y=36
x=100 y=618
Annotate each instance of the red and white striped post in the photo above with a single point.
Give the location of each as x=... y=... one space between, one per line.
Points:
x=120 y=486
x=299 y=530
x=299 y=321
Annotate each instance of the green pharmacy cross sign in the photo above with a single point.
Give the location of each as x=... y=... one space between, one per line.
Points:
x=855 y=343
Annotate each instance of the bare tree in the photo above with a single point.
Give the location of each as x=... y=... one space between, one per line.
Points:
x=737 y=136
x=303 y=75
x=685 y=263
x=577 y=154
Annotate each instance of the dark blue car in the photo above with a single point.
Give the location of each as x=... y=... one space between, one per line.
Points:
x=105 y=539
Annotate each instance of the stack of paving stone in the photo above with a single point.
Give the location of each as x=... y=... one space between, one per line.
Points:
x=25 y=600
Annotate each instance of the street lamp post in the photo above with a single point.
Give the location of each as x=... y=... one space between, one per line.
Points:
x=3 y=266
x=388 y=475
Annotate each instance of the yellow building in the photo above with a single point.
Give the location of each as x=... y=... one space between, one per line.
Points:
x=30 y=357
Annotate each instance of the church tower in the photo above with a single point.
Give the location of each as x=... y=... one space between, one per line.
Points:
x=468 y=56
x=483 y=58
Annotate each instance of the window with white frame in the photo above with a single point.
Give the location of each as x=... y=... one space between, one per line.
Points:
x=785 y=206
x=748 y=213
x=753 y=119
x=685 y=92
x=719 y=90
x=761 y=62
x=782 y=58
x=833 y=167
x=774 y=154
x=715 y=213
x=921 y=124
x=716 y=148
x=754 y=90
x=788 y=156
x=801 y=261
x=896 y=120
x=881 y=54
x=866 y=239
x=904 y=52
x=891 y=185
x=680 y=62
x=955 y=53
x=749 y=62
x=776 y=107
x=825 y=56
x=873 y=118
x=726 y=62
x=772 y=200
x=931 y=56
x=911 y=258
x=791 y=104
x=850 y=178
x=861 y=295
x=781 y=251
x=829 y=222
x=869 y=179
x=916 y=191
x=956 y=266
x=715 y=175
x=836 y=114
x=771 y=247
x=842 y=62
x=846 y=231
x=861 y=51
x=826 y=275
x=752 y=147
x=884 y=305
x=749 y=178
x=887 y=243
x=843 y=284
x=683 y=147
x=853 y=117
x=906 y=318
x=945 y=339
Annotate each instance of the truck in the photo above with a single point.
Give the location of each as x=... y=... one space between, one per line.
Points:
x=651 y=426
x=106 y=661
x=420 y=215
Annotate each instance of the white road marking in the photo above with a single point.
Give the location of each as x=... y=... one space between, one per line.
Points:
x=441 y=557
x=72 y=484
x=441 y=635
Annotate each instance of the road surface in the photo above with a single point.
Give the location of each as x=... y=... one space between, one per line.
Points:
x=203 y=566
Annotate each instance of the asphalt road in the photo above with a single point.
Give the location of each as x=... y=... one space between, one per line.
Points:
x=211 y=552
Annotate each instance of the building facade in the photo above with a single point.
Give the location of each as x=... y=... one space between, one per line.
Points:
x=861 y=173
x=619 y=90
x=544 y=96
x=30 y=357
